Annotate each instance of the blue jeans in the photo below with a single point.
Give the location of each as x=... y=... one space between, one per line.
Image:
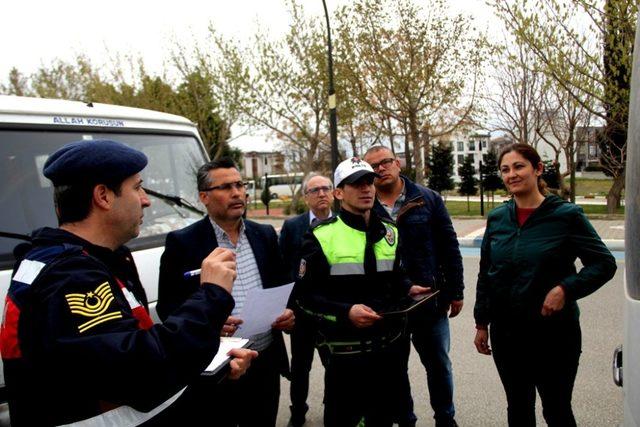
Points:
x=431 y=339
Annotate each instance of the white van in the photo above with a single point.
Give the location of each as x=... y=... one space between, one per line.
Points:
x=282 y=186
x=32 y=128
x=627 y=362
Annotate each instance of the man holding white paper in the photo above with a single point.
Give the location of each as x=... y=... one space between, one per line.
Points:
x=253 y=399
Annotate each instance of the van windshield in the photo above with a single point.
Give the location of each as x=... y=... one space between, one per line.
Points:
x=26 y=196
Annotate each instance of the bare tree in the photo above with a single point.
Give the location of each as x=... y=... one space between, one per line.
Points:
x=279 y=85
x=599 y=76
x=412 y=65
x=563 y=115
x=517 y=104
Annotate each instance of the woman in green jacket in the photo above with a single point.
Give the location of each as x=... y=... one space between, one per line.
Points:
x=527 y=290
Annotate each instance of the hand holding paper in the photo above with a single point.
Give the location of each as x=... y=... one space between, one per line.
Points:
x=285 y=321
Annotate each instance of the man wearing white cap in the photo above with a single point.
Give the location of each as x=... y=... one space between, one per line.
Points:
x=349 y=272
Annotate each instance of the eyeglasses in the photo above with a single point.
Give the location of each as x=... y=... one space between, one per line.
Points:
x=317 y=190
x=238 y=185
x=384 y=162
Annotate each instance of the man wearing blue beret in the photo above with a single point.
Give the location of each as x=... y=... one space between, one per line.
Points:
x=77 y=341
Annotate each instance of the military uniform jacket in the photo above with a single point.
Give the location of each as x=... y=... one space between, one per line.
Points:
x=75 y=342
x=327 y=291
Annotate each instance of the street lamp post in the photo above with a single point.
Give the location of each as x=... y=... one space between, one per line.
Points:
x=333 y=121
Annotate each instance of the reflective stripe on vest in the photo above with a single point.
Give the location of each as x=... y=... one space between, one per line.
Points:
x=125 y=415
x=344 y=248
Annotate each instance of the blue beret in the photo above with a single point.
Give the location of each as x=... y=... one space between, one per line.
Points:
x=93 y=161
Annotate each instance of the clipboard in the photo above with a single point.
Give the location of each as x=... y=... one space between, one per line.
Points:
x=407 y=304
x=221 y=359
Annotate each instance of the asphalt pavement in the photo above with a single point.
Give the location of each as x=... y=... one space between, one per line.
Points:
x=470 y=231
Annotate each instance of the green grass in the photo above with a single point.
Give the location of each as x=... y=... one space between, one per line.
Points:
x=459 y=209
x=584 y=187
x=595 y=187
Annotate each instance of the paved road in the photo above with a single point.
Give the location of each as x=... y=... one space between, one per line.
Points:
x=607 y=229
x=479 y=395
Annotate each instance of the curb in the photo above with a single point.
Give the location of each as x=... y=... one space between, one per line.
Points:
x=476 y=242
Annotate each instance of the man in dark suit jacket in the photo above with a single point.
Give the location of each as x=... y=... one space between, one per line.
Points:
x=252 y=400
x=318 y=197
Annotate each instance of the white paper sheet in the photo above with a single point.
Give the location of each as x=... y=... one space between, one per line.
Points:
x=261 y=308
x=226 y=344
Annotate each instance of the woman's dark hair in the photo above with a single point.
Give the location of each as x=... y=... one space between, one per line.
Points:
x=73 y=202
x=530 y=154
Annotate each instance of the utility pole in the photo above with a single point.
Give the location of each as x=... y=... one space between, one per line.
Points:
x=333 y=121
x=481 y=191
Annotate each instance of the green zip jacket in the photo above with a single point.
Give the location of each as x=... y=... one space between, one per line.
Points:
x=520 y=265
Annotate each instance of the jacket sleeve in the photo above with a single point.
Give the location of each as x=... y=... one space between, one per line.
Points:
x=173 y=288
x=109 y=355
x=447 y=251
x=599 y=264
x=482 y=308
x=310 y=287
x=285 y=242
x=279 y=268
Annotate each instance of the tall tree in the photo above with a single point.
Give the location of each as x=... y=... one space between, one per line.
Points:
x=491 y=181
x=79 y=80
x=468 y=180
x=441 y=167
x=592 y=62
x=516 y=106
x=17 y=84
x=420 y=68
x=276 y=84
x=563 y=116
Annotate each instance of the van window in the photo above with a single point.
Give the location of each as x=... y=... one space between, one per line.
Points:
x=26 y=196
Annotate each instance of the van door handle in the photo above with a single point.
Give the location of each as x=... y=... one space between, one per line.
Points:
x=617 y=366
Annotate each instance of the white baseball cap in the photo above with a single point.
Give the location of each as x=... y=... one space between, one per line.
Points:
x=351 y=170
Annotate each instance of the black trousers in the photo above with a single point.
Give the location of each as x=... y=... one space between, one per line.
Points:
x=303 y=338
x=544 y=357
x=249 y=401
x=364 y=385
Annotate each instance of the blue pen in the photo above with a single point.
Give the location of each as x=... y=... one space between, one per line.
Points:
x=192 y=273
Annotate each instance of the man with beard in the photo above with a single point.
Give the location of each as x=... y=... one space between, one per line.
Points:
x=431 y=257
x=77 y=341
x=252 y=400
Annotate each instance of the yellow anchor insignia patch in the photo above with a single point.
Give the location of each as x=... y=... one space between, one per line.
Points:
x=93 y=304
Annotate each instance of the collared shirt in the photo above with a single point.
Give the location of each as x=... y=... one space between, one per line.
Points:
x=248 y=276
x=393 y=210
x=313 y=217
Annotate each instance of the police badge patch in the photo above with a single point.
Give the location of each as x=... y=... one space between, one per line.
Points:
x=390 y=237
x=303 y=268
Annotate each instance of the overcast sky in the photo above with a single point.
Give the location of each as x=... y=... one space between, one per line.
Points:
x=35 y=32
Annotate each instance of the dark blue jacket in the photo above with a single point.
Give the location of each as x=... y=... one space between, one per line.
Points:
x=291 y=234
x=428 y=243
x=80 y=349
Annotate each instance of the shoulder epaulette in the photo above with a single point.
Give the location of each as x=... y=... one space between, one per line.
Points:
x=388 y=221
x=324 y=222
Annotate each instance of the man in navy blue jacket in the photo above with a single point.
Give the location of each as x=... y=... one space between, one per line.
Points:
x=318 y=196
x=77 y=341
x=253 y=400
x=431 y=257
